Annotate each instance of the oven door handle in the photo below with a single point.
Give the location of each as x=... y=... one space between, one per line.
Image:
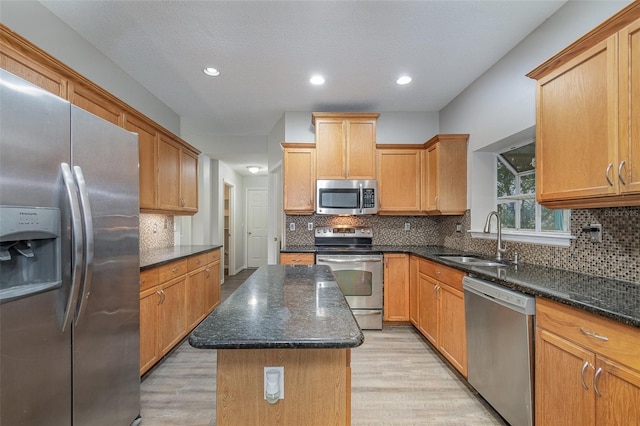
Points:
x=333 y=260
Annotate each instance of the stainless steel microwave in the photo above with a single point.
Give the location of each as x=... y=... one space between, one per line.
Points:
x=352 y=197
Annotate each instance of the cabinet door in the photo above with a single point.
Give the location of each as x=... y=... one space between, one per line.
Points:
x=196 y=297
x=399 y=180
x=577 y=127
x=149 y=345
x=168 y=174
x=396 y=287
x=452 y=328
x=299 y=180
x=330 y=148
x=619 y=387
x=360 y=149
x=147 y=159
x=188 y=182
x=212 y=283
x=413 y=291
x=431 y=179
x=89 y=100
x=172 y=318
x=564 y=394
x=428 y=308
x=629 y=152
x=32 y=71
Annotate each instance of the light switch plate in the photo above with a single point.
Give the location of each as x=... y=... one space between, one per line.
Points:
x=292 y=226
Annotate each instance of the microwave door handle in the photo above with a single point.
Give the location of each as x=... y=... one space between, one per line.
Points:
x=361 y=201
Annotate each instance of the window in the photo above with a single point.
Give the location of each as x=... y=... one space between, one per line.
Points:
x=516 y=190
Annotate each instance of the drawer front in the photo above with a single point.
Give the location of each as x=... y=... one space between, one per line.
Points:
x=447 y=275
x=297 y=258
x=590 y=331
x=197 y=261
x=172 y=270
x=213 y=256
x=149 y=278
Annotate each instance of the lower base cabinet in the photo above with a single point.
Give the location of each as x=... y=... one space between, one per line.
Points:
x=174 y=299
x=440 y=313
x=587 y=368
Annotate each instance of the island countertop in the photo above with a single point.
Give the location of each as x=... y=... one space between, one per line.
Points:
x=282 y=306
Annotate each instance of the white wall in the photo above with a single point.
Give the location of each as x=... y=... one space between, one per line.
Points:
x=391 y=128
x=38 y=25
x=501 y=103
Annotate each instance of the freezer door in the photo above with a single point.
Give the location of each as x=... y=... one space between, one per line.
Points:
x=35 y=355
x=106 y=351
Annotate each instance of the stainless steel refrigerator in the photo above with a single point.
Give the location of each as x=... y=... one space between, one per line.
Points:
x=69 y=263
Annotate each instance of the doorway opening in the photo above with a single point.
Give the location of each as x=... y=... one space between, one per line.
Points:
x=227 y=227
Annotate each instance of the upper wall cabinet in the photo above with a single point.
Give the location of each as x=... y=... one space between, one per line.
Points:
x=444 y=175
x=345 y=145
x=587 y=104
x=299 y=178
x=168 y=165
x=426 y=179
x=399 y=178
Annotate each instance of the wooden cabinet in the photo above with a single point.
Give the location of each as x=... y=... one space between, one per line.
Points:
x=396 y=287
x=177 y=177
x=174 y=299
x=179 y=180
x=299 y=178
x=95 y=102
x=297 y=259
x=399 y=178
x=587 y=141
x=147 y=155
x=424 y=179
x=345 y=145
x=444 y=175
x=587 y=368
x=413 y=290
x=441 y=317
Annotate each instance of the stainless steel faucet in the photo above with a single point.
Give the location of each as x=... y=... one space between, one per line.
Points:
x=487 y=229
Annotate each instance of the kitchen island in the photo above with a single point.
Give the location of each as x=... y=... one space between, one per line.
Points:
x=287 y=316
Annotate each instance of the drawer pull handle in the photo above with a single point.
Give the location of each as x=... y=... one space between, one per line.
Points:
x=174 y=270
x=591 y=334
x=595 y=381
x=584 y=368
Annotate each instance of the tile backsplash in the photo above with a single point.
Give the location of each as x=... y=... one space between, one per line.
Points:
x=618 y=256
x=156 y=231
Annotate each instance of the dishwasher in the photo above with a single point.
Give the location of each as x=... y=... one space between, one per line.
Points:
x=500 y=329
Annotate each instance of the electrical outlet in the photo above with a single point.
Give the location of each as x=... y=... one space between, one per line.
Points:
x=155 y=228
x=292 y=226
x=407 y=226
x=596 y=236
x=310 y=226
x=458 y=227
x=273 y=384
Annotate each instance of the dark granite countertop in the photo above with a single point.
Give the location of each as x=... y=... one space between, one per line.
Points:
x=614 y=299
x=282 y=306
x=157 y=257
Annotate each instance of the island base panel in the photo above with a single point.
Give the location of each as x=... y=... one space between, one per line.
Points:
x=317 y=387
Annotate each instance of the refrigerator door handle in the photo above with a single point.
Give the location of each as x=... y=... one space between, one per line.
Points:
x=87 y=220
x=77 y=245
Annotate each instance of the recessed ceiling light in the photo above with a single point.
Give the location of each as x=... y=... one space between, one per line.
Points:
x=253 y=169
x=213 y=72
x=317 y=80
x=405 y=79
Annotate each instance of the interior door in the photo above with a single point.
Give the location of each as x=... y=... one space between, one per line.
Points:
x=257 y=203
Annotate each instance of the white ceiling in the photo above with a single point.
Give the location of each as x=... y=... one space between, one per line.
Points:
x=267 y=51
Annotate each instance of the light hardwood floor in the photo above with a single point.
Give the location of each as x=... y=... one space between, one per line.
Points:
x=397 y=379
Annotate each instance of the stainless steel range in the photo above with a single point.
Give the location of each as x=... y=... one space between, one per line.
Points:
x=358 y=269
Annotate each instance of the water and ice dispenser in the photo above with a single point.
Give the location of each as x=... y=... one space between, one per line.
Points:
x=29 y=251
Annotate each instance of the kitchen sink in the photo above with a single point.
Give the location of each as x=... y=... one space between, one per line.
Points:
x=472 y=261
